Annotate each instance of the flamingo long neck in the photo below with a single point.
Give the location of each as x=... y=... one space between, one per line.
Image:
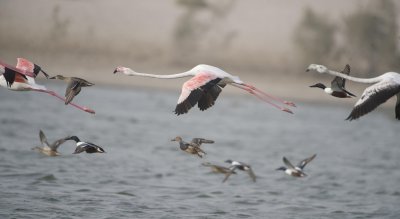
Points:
x=361 y=80
x=171 y=76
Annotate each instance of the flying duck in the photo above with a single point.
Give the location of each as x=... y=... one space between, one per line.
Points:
x=240 y=166
x=296 y=171
x=74 y=86
x=193 y=147
x=217 y=168
x=49 y=149
x=383 y=88
x=337 y=86
x=82 y=146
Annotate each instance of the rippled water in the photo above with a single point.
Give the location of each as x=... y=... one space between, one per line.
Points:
x=145 y=175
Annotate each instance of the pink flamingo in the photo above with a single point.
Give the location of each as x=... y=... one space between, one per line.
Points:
x=205 y=86
x=21 y=78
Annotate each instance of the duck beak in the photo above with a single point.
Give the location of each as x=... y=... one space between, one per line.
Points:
x=313 y=85
x=54 y=77
x=307 y=70
x=115 y=71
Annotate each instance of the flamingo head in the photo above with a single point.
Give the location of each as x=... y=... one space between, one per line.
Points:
x=318 y=68
x=121 y=69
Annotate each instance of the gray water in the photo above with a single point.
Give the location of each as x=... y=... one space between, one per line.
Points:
x=145 y=175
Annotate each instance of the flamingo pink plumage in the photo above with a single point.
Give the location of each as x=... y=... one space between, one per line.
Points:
x=205 y=86
x=22 y=79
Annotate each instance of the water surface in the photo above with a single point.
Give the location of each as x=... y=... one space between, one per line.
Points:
x=145 y=175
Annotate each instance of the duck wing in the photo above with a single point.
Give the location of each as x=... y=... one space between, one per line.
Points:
x=57 y=143
x=373 y=96
x=43 y=139
x=73 y=89
x=82 y=82
x=251 y=173
x=339 y=83
x=304 y=162
x=229 y=173
x=199 y=141
x=287 y=163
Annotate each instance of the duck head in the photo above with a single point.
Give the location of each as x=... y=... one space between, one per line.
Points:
x=282 y=168
x=228 y=161
x=76 y=139
x=320 y=85
x=60 y=77
x=177 y=138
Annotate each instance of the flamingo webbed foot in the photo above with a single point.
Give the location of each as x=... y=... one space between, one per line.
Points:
x=287 y=110
x=89 y=110
x=289 y=103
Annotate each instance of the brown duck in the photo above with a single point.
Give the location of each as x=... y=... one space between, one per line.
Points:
x=193 y=147
x=49 y=149
x=74 y=86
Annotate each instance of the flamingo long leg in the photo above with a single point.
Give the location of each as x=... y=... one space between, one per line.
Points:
x=252 y=91
x=270 y=96
x=52 y=93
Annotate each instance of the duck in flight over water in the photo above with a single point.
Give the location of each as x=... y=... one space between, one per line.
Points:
x=88 y=147
x=49 y=149
x=193 y=147
x=337 y=86
x=384 y=87
x=237 y=165
x=296 y=171
x=74 y=86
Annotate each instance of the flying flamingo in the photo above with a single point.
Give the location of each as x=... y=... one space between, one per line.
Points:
x=384 y=87
x=21 y=81
x=205 y=86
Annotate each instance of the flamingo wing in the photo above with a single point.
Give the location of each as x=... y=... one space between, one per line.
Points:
x=397 y=109
x=373 y=96
x=27 y=65
x=199 y=89
x=209 y=97
x=12 y=76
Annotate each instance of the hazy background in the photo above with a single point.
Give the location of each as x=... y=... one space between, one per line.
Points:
x=268 y=43
x=144 y=174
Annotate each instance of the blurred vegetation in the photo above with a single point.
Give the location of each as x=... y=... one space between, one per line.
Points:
x=194 y=29
x=314 y=38
x=368 y=40
x=59 y=27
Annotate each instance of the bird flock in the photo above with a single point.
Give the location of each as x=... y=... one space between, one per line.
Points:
x=203 y=89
